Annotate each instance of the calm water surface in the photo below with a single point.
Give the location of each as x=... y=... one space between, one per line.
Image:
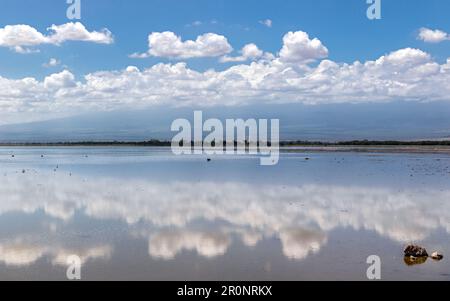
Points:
x=144 y=214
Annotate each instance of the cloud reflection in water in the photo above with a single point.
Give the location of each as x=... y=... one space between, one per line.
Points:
x=205 y=216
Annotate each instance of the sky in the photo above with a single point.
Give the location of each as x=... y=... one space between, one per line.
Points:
x=139 y=55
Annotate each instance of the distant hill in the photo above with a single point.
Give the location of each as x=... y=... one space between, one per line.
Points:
x=390 y=121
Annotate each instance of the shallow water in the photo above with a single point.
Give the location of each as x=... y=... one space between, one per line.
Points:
x=144 y=214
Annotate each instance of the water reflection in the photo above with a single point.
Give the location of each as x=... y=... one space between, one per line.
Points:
x=410 y=261
x=48 y=215
x=25 y=251
x=168 y=214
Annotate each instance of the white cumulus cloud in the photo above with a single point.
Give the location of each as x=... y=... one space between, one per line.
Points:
x=298 y=47
x=167 y=44
x=248 y=52
x=21 y=38
x=433 y=36
x=53 y=62
x=60 y=80
x=77 y=32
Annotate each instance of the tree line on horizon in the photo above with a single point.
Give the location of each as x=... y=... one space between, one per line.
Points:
x=162 y=143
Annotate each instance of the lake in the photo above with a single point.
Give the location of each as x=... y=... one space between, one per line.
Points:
x=133 y=213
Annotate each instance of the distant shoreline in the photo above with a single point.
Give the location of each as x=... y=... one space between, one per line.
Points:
x=363 y=146
x=162 y=143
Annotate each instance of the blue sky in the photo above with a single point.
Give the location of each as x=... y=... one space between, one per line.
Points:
x=217 y=53
x=341 y=25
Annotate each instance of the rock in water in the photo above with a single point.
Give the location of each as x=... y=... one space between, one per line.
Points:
x=437 y=256
x=415 y=251
x=410 y=261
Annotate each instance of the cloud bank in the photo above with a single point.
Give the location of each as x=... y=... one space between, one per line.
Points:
x=299 y=73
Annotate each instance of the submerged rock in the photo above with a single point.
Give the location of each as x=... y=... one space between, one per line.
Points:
x=437 y=256
x=415 y=251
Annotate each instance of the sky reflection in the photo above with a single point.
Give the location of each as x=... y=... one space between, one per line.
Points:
x=51 y=215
